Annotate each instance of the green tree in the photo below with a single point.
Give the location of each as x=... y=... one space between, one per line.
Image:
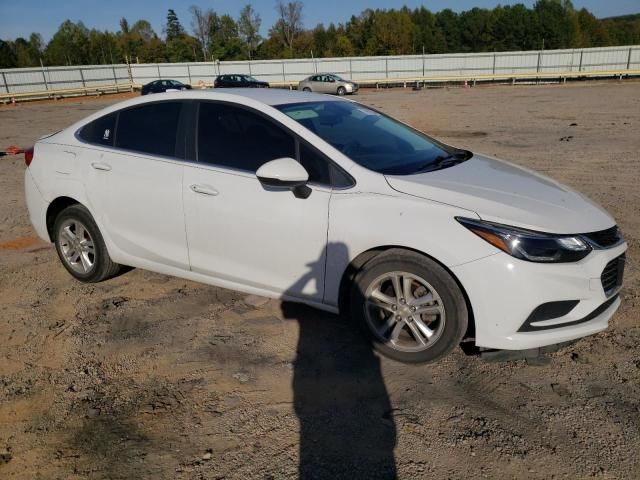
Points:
x=557 y=24
x=249 y=29
x=7 y=55
x=514 y=28
x=69 y=45
x=476 y=30
x=592 y=32
x=225 y=43
x=448 y=22
x=343 y=46
x=427 y=34
x=180 y=47
x=391 y=33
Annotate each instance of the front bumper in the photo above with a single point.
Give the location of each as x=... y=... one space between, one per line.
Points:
x=352 y=87
x=504 y=291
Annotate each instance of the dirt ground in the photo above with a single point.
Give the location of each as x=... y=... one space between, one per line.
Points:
x=146 y=376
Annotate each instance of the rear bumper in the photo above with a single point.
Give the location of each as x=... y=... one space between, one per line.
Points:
x=37 y=206
x=504 y=291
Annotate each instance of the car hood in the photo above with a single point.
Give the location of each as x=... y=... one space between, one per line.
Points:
x=502 y=192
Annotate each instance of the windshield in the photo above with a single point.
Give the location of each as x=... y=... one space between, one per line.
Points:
x=372 y=139
x=249 y=78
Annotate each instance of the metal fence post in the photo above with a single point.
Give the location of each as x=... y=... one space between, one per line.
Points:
x=130 y=73
x=284 y=78
x=494 y=64
x=189 y=73
x=4 y=81
x=350 y=68
x=115 y=78
x=84 y=85
x=158 y=67
x=386 y=67
x=629 y=58
x=580 y=66
x=44 y=77
x=539 y=59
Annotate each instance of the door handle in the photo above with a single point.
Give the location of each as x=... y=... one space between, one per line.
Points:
x=101 y=166
x=204 y=190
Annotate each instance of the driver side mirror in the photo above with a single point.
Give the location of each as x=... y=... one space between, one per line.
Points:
x=285 y=173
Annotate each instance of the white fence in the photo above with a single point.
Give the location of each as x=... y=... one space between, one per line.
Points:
x=363 y=69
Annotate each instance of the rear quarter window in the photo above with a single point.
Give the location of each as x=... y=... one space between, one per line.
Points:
x=100 y=131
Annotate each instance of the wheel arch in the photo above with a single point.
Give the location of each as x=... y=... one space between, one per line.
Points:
x=346 y=282
x=54 y=209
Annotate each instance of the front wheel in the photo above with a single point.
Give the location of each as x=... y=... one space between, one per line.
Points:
x=342 y=91
x=81 y=247
x=409 y=306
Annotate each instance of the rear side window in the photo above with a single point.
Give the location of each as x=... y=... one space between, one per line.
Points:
x=150 y=128
x=100 y=131
x=233 y=137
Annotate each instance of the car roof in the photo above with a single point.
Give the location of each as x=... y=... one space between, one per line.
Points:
x=265 y=96
x=276 y=96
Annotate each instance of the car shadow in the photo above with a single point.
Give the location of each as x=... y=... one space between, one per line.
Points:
x=346 y=424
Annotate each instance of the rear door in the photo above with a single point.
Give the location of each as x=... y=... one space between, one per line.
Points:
x=322 y=84
x=134 y=183
x=240 y=231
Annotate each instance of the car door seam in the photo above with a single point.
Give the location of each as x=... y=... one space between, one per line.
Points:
x=184 y=219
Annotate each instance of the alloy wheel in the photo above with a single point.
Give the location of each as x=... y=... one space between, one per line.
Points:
x=77 y=246
x=404 y=311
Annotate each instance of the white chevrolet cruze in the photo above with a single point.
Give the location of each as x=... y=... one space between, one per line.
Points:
x=324 y=201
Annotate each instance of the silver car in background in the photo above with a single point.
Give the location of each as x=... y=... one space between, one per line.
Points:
x=327 y=83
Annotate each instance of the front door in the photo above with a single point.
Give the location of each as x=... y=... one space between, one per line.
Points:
x=240 y=231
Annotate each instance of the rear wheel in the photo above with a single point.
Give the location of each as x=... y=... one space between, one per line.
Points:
x=342 y=91
x=409 y=306
x=81 y=247
x=306 y=89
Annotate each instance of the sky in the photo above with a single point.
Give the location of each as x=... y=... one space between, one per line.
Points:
x=21 y=17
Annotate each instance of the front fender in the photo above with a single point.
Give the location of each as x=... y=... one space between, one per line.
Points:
x=359 y=222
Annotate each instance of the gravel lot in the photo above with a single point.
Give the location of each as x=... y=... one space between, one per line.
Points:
x=146 y=376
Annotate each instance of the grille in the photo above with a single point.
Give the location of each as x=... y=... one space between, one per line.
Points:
x=605 y=238
x=612 y=275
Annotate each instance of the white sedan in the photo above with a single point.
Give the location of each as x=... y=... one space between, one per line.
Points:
x=324 y=201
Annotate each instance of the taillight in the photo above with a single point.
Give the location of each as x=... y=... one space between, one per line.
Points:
x=28 y=156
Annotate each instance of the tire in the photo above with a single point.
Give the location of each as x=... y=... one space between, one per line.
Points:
x=428 y=287
x=97 y=265
x=306 y=89
x=342 y=91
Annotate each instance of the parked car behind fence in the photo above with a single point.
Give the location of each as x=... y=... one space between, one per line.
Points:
x=160 y=86
x=328 y=83
x=238 y=81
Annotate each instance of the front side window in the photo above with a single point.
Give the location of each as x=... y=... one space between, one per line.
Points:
x=100 y=131
x=150 y=128
x=315 y=164
x=372 y=139
x=234 y=137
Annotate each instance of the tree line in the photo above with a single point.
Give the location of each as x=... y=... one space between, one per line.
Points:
x=549 y=24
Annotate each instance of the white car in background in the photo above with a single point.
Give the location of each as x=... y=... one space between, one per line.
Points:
x=324 y=201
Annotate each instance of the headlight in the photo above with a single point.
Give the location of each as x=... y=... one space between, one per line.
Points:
x=528 y=245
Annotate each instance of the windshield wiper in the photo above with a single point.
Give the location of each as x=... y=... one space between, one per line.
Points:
x=443 y=161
